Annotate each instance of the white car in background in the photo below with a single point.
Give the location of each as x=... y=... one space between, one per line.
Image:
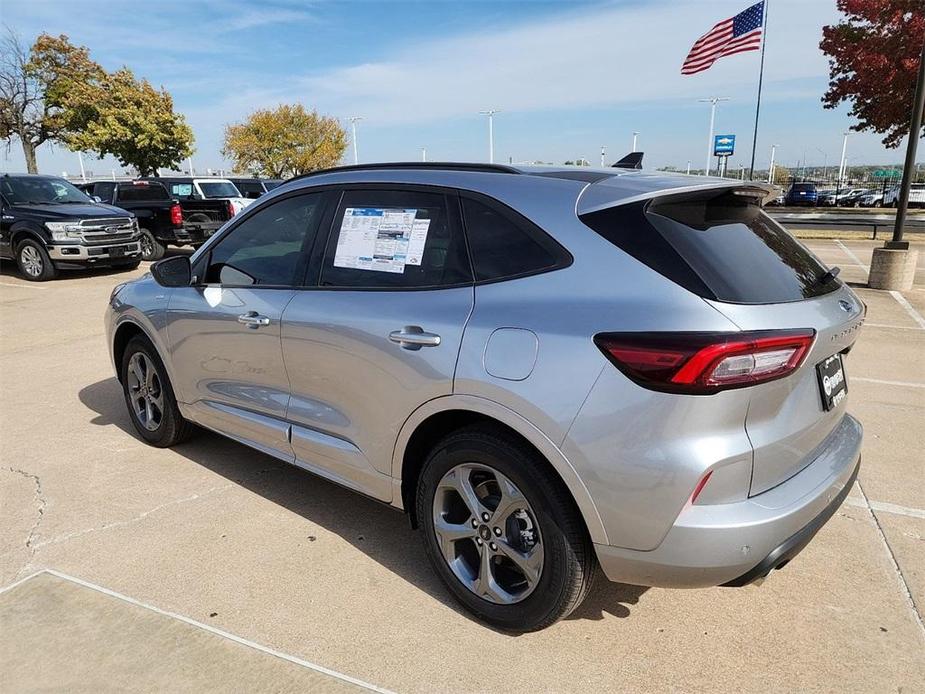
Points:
x=205 y=188
x=916 y=196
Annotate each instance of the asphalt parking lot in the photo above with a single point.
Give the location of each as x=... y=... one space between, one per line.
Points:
x=262 y=553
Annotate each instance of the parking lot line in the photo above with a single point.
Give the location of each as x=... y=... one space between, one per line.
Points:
x=888 y=508
x=916 y=316
x=904 y=586
x=904 y=384
x=891 y=327
x=851 y=254
x=205 y=627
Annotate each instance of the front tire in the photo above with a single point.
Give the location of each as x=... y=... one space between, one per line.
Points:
x=502 y=531
x=149 y=396
x=151 y=248
x=33 y=261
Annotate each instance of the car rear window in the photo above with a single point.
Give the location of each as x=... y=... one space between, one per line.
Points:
x=151 y=191
x=720 y=246
x=804 y=186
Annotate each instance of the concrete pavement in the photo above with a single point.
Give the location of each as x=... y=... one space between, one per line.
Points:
x=233 y=539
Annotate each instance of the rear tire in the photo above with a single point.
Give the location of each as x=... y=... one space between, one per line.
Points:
x=151 y=403
x=520 y=590
x=33 y=261
x=151 y=248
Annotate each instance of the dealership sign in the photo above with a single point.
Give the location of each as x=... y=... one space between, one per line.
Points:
x=724 y=145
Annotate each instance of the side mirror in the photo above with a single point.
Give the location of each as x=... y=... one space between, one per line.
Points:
x=173 y=272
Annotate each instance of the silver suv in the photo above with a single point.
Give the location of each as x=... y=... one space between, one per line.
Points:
x=545 y=368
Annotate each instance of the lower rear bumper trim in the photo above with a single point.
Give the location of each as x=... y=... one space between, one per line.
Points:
x=794 y=544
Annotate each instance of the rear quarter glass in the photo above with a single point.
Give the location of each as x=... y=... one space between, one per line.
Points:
x=716 y=245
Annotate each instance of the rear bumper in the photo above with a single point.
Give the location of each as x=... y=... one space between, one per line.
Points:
x=737 y=543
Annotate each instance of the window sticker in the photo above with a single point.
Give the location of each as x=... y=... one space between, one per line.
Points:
x=380 y=239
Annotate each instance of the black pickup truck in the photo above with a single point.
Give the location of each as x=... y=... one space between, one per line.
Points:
x=163 y=220
x=47 y=225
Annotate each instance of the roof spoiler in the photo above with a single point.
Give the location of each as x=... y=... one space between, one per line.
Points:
x=633 y=160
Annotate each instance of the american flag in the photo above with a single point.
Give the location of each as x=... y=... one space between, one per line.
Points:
x=734 y=35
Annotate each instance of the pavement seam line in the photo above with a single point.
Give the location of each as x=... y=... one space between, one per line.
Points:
x=42 y=503
x=916 y=316
x=850 y=254
x=218 y=632
x=889 y=550
x=905 y=384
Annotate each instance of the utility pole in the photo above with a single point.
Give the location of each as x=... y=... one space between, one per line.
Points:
x=713 y=100
x=893 y=266
x=771 y=166
x=635 y=135
x=356 y=150
x=491 y=133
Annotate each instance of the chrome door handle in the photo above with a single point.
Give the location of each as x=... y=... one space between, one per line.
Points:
x=253 y=320
x=414 y=337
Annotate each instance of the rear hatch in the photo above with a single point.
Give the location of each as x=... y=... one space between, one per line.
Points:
x=719 y=244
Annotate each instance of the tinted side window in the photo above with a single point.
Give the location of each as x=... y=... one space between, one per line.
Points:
x=504 y=246
x=267 y=247
x=104 y=191
x=393 y=240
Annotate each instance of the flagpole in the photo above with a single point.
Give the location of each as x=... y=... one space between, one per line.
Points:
x=764 y=42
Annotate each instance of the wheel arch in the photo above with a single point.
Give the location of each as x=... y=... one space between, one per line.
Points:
x=125 y=330
x=439 y=417
x=23 y=232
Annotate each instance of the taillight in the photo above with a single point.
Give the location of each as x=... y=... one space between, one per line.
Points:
x=176 y=215
x=230 y=209
x=702 y=363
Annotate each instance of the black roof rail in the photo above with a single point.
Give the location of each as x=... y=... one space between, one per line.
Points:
x=440 y=165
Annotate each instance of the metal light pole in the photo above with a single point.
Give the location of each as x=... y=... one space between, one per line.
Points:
x=844 y=151
x=914 y=127
x=423 y=153
x=353 y=123
x=771 y=166
x=635 y=135
x=491 y=133
x=825 y=163
x=688 y=167
x=83 y=174
x=713 y=100
x=189 y=160
x=602 y=156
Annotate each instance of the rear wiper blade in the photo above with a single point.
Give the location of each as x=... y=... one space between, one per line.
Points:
x=828 y=275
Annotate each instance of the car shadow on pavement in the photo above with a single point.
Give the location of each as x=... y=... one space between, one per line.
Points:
x=377 y=530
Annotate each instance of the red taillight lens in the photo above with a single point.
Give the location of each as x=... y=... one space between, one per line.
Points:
x=706 y=362
x=230 y=210
x=176 y=215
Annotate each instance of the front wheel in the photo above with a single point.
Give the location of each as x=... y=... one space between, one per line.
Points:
x=151 y=248
x=33 y=261
x=502 y=532
x=149 y=396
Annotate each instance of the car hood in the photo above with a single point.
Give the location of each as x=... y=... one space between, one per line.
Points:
x=53 y=211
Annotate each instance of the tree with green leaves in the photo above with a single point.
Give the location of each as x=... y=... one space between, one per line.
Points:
x=37 y=87
x=286 y=141
x=132 y=121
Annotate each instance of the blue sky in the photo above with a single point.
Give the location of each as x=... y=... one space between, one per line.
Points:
x=568 y=77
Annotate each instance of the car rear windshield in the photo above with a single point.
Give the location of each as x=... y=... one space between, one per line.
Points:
x=150 y=191
x=718 y=245
x=804 y=186
x=219 y=189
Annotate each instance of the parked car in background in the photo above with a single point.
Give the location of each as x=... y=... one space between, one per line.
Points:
x=826 y=198
x=916 y=196
x=548 y=369
x=802 y=194
x=189 y=188
x=163 y=220
x=255 y=187
x=853 y=197
x=873 y=198
x=49 y=225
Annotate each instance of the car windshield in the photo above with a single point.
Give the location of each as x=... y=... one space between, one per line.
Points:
x=219 y=189
x=39 y=189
